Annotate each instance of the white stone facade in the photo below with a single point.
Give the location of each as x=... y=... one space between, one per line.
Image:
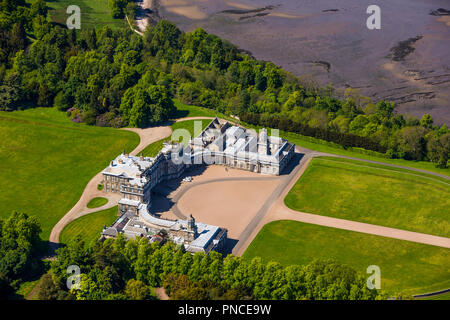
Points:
x=219 y=143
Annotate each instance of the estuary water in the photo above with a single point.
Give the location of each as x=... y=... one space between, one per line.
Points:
x=328 y=41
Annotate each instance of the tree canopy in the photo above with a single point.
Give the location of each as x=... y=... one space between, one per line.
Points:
x=120 y=269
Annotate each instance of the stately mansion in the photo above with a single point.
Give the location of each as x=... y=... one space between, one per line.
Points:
x=220 y=143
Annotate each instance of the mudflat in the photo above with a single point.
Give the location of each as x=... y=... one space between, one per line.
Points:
x=406 y=62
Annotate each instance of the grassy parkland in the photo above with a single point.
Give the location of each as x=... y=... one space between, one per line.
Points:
x=97 y=202
x=405 y=266
x=374 y=194
x=94 y=13
x=46 y=161
x=185 y=110
x=88 y=227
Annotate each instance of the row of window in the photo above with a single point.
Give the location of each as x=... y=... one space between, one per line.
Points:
x=114 y=179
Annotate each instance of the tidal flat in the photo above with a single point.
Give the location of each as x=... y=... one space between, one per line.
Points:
x=328 y=41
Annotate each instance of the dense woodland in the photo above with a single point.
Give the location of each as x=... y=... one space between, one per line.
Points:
x=123 y=269
x=117 y=78
x=20 y=247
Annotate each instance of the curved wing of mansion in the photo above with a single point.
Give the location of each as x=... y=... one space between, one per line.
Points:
x=134 y=177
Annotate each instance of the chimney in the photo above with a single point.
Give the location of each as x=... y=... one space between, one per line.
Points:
x=192 y=226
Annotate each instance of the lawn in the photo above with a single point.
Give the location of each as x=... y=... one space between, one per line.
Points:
x=373 y=194
x=46 y=161
x=89 y=226
x=97 y=202
x=185 y=110
x=94 y=13
x=405 y=266
x=189 y=125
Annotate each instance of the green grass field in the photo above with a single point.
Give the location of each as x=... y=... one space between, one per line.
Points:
x=153 y=149
x=405 y=266
x=373 y=194
x=94 y=13
x=97 y=202
x=46 y=161
x=185 y=110
x=88 y=226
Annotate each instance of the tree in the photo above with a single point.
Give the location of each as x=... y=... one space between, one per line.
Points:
x=142 y=264
x=45 y=97
x=117 y=8
x=358 y=124
x=18 y=39
x=328 y=279
x=350 y=109
x=19 y=247
x=146 y=106
x=38 y=7
x=230 y=264
x=439 y=149
x=426 y=121
x=273 y=75
x=165 y=39
x=5 y=289
x=88 y=289
x=9 y=95
x=41 y=26
x=49 y=290
x=72 y=254
x=137 y=290
x=385 y=109
x=411 y=141
x=266 y=286
x=195 y=270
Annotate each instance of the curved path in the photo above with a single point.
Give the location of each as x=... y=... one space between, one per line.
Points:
x=147 y=136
